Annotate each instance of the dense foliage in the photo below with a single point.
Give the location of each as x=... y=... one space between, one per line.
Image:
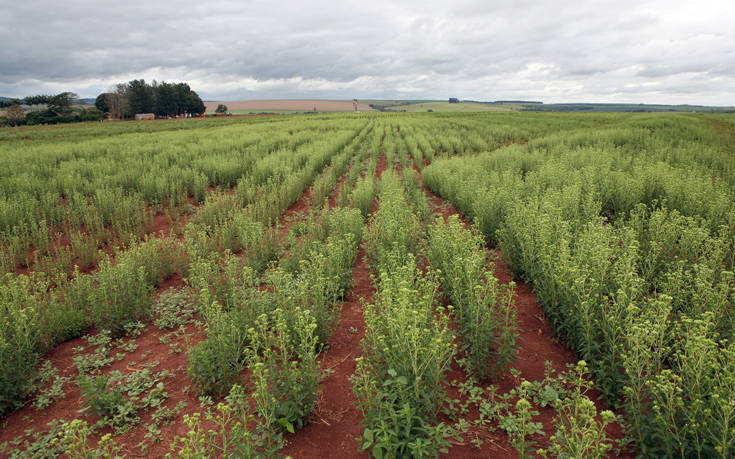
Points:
x=626 y=232
x=623 y=224
x=161 y=98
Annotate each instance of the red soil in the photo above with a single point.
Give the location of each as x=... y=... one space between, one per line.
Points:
x=381 y=166
x=332 y=201
x=297 y=209
x=176 y=385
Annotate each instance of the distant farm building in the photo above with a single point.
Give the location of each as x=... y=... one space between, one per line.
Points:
x=145 y=116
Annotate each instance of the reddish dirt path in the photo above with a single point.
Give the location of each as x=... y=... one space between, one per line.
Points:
x=337 y=422
x=537 y=345
x=338 y=187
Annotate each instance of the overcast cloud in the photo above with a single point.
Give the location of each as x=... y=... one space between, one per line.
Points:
x=555 y=51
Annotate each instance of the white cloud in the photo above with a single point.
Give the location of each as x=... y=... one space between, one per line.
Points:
x=562 y=51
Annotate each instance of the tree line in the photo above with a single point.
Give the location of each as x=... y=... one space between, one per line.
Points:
x=125 y=100
x=60 y=108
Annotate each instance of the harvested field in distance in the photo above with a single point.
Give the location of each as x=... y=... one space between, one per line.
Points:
x=290 y=104
x=457 y=107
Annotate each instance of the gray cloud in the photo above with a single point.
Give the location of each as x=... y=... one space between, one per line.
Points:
x=627 y=51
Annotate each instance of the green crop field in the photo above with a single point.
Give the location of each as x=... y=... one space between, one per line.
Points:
x=469 y=284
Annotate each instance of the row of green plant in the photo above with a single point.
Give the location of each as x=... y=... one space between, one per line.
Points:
x=393 y=227
x=313 y=275
x=37 y=316
x=408 y=345
x=111 y=205
x=106 y=395
x=625 y=233
x=483 y=308
x=274 y=332
x=488 y=335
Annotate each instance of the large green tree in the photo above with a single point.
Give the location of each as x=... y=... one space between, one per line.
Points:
x=61 y=104
x=174 y=99
x=140 y=96
x=101 y=102
x=124 y=100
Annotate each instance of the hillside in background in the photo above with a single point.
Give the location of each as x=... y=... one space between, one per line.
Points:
x=287 y=105
x=424 y=105
x=521 y=105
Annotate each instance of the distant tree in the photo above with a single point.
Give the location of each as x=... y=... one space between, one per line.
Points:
x=49 y=117
x=91 y=114
x=140 y=97
x=192 y=103
x=124 y=100
x=165 y=100
x=8 y=102
x=60 y=104
x=117 y=101
x=174 y=99
x=221 y=109
x=101 y=102
x=37 y=100
x=15 y=114
x=453 y=100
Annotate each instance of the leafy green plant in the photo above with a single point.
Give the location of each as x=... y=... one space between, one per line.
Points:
x=107 y=402
x=284 y=352
x=19 y=341
x=74 y=440
x=49 y=394
x=215 y=363
x=362 y=195
x=173 y=308
x=231 y=438
x=122 y=295
x=406 y=351
x=484 y=309
x=519 y=426
x=578 y=433
x=394 y=427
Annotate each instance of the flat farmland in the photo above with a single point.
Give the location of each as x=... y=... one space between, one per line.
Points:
x=302 y=105
x=453 y=107
x=495 y=284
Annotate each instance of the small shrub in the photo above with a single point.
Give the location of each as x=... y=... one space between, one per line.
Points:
x=122 y=295
x=19 y=341
x=215 y=364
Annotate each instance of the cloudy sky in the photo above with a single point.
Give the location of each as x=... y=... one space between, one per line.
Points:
x=557 y=51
